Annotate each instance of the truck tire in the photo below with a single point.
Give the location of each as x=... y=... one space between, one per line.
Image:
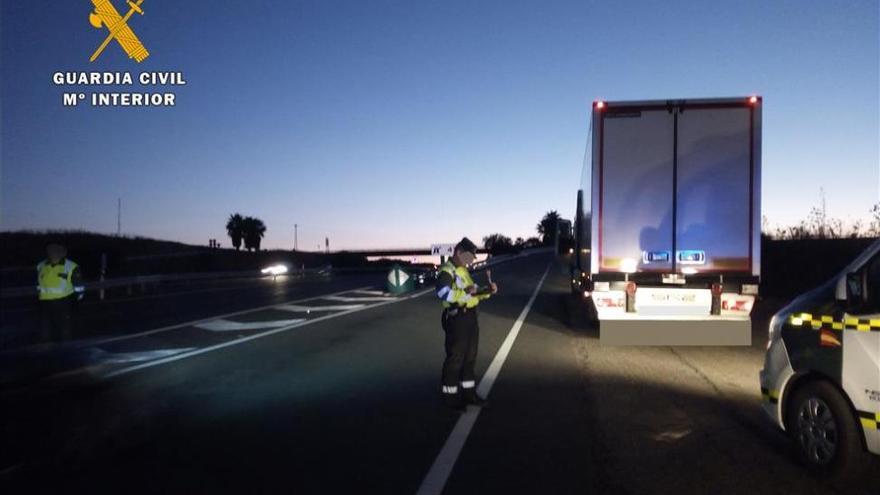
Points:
x=826 y=434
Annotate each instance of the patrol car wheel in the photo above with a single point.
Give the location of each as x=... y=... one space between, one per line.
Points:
x=824 y=430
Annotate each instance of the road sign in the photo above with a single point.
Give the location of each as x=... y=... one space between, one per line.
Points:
x=399 y=281
x=442 y=249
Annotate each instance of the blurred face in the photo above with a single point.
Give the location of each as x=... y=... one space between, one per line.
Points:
x=465 y=258
x=55 y=254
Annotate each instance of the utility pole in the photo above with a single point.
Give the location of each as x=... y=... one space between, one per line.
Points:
x=295 y=233
x=327 y=245
x=118 y=217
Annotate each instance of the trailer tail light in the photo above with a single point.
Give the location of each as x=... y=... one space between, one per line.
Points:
x=614 y=299
x=737 y=304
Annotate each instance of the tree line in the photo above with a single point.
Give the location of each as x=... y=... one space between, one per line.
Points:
x=818 y=225
x=547 y=229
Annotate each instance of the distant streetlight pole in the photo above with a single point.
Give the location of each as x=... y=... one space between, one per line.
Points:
x=118 y=217
x=295 y=233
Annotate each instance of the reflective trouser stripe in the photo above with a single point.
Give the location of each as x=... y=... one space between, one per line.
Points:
x=52 y=290
x=450 y=390
x=468 y=384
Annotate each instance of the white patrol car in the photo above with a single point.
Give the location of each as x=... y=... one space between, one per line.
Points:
x=821 y=375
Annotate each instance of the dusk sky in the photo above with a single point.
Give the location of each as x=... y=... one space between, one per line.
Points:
x=405 y=123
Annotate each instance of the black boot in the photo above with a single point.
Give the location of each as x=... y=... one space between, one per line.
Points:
x=453 y=401
x=470 y=397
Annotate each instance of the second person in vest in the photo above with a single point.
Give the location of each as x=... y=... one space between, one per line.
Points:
x=58 y=284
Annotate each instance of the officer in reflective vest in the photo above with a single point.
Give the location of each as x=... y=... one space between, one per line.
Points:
x=58 y=283
x=460 y=297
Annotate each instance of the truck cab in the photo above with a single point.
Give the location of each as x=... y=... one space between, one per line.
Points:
x=821 y=376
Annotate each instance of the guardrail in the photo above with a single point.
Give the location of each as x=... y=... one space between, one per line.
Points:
x=144 y=280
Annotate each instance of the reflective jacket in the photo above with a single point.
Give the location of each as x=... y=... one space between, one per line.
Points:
x=452 y=284
x=57 y=281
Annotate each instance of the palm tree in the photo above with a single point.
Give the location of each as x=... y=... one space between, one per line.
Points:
x=253 y=229
x=235 y=229
x=547 y=227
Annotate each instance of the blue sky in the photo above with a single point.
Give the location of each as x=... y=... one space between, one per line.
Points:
x=406 y=123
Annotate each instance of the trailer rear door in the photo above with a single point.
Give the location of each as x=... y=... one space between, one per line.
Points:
x=674 y=187
x=633 y=185
x=713 y=190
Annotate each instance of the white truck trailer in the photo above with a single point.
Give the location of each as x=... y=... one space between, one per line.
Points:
x=668 y=221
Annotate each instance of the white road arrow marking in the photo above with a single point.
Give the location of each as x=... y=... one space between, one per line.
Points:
x=232 y=326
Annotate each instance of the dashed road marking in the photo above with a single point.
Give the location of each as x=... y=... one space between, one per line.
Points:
x=221 y=325
x=358 y=299
x=140 y=356
x=296 y=308
x=370 y=292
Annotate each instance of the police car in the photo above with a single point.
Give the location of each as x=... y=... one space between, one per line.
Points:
x=821 y=375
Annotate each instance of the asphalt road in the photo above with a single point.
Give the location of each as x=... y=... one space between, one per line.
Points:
x=344 y=398
x=148 y=307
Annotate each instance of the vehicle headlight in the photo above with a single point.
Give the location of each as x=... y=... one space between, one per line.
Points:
x=274 y=270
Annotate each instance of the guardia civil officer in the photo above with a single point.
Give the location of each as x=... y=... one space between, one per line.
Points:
x=460 y=297
x=58 y=283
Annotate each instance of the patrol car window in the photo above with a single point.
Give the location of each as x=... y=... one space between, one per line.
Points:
x=872 y=283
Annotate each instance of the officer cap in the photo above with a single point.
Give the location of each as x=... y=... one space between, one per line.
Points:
x=466 y=246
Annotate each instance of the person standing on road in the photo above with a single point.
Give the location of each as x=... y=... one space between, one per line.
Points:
x=58 y=283
x=460 y=297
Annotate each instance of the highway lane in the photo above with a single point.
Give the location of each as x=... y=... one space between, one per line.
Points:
x=350 y=404
x=19 y=318
x=321 y=395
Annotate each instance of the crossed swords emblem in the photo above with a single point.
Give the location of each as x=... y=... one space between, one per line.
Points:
x=105 y=14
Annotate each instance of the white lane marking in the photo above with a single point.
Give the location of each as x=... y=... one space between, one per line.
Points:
x=371 y=292
x=296 y=308
x=221 y=325
x=242 y=340
x=227 y=315
x=439 y=473
x=358 y=299
x=136 y=357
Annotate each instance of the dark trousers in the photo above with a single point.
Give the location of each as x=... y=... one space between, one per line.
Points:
x=462 y=336
x=55 y=323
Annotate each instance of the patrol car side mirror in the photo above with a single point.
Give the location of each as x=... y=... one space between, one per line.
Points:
x=855 y=296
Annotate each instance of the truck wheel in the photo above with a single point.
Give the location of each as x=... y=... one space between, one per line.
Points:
x=825 y=432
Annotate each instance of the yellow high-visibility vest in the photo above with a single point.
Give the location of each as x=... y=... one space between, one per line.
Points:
x=55 y=281
x=457 y=295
